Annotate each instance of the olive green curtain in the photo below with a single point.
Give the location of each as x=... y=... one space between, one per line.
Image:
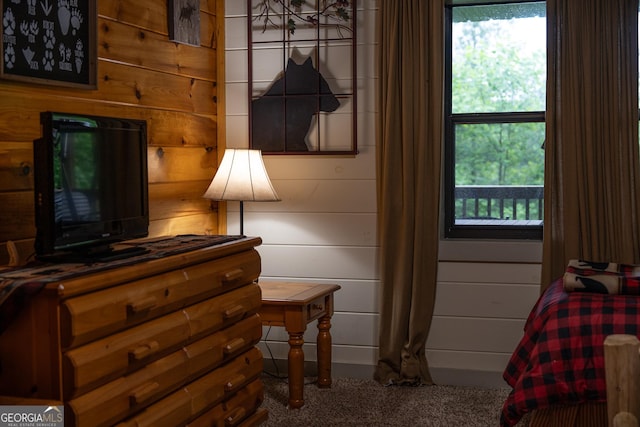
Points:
x=592 y=203
x=410 y=100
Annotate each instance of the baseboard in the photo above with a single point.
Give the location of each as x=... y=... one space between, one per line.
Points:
x=441 y=376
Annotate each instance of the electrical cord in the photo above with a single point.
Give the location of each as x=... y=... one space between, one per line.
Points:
x=277 y=375
x=273 y=359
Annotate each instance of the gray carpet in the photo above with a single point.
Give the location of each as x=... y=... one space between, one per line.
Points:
x=357 y=402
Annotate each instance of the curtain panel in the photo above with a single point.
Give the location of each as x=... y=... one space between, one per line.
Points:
x=410 y=99
x=591 y=149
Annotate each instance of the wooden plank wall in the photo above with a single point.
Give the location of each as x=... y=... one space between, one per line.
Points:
x=142 y=75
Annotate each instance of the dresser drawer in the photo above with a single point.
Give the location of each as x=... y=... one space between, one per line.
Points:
x=224 y=345
x=235 y=410
x=256 y=419
x=223 y=310
x=202 y=394
x=100 y=313
x=118 y=399
x=103 y=360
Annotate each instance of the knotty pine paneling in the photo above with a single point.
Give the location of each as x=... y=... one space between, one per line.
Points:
x=208 y=224
x=153 y=89
x=127 y=85
x=152 y=15
x=126 y=44
x=15 y=166
x=176 y=164
x=142 y=75
x=162 y=197
x=165 y=127
x=17 y=215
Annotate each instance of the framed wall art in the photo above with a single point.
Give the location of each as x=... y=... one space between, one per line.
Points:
x=184 y=21
x=302 y=76
x=49 y=41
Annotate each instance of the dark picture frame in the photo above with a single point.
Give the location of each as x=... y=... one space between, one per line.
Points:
x=302 y=77
x=49 y=42
x=184 y=21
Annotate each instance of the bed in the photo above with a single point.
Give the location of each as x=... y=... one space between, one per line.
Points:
x=557 y=371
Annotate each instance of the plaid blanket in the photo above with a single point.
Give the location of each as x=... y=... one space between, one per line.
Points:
x=560 y=359
x=602 y=277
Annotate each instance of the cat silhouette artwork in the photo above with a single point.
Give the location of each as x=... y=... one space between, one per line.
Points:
x=282 y=117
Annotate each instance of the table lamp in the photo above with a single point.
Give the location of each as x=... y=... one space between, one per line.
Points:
x=241 y=177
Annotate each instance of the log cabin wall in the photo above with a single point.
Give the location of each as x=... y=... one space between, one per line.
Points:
x=140 y=74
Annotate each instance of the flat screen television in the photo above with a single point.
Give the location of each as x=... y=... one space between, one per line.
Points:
x=91 y=187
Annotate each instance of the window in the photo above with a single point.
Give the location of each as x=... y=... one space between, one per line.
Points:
x=494 y=112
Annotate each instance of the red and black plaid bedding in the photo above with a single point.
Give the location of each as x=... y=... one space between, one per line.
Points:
x=560 y=359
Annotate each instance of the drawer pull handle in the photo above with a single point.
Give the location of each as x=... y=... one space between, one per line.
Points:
x=234 y=383
x=234 y=345
x=143 y=351
x=141 y=305
x=141 y=393
x=235 y=417
x=232 y=312
x=232 y=275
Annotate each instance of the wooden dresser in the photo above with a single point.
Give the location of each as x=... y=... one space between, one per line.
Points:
x=165 y=341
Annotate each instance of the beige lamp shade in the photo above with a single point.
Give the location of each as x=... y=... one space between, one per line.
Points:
x=241 y=177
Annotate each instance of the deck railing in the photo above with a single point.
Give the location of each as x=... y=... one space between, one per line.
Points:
x=499 y=202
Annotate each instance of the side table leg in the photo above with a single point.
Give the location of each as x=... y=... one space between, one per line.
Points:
x=324 y=352
x=296 y=370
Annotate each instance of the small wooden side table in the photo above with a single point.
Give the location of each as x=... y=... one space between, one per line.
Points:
x=294 y=305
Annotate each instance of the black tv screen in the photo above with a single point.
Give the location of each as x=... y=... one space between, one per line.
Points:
x=90 y=185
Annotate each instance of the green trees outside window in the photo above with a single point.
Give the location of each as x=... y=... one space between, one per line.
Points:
x=496 y=79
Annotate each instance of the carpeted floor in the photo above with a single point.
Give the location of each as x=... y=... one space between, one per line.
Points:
x=357 y=402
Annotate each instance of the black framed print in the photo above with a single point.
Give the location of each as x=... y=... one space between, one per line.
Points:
x=302 y=77
x=184 y=21
x=49 y=42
